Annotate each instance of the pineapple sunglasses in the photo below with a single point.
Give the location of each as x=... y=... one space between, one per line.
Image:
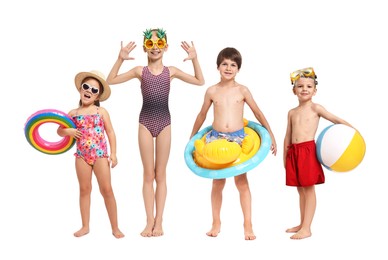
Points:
x=160 y=43
x=307 y=72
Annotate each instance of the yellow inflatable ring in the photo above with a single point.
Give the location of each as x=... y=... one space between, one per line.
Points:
x=223 y=159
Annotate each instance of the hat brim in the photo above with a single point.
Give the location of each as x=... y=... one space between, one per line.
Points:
x=80 y=77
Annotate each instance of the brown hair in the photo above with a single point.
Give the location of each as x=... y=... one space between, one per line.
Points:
x=230 y=53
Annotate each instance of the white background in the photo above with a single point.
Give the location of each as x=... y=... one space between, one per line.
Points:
x=45 y=43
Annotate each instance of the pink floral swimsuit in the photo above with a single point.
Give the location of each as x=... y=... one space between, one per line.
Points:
x=92 y=145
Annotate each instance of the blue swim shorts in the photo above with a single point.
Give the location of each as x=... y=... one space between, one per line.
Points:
x=236 y=136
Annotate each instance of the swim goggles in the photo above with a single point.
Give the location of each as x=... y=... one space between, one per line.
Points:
x=86 y=86
x=307 y=73
x=160 y=43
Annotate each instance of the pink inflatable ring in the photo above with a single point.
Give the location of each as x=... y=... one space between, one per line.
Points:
x=31 y=131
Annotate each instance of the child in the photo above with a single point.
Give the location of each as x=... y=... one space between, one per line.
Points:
x=92 y=121
x=154 y=119
x=229 y=98
x=303 y=169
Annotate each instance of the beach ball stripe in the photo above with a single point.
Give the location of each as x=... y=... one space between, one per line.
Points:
x=340 y=148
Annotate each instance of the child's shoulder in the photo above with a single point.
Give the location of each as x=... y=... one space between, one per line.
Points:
x=102 y=109
x=173 y=70
x=242 y=87
x=139 y=68
x=103 y=112
x=72 y=112
x=212 y=88
x=314 y=105
x=317 y=107
x=311 y=105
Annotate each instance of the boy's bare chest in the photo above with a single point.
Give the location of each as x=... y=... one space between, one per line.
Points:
x=228 y=98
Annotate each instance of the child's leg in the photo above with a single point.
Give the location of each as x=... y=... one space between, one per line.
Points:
x=163 y=144
x=146 y=146
x=102 y=172
x=242 y=185
x=216 y=200
x=302 y=202
x=308 y=213
x=84 y=175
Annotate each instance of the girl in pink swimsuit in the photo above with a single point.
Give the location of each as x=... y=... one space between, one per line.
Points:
x=92 y=123
x=154 y=118
x=92 y=144
x=155 y=113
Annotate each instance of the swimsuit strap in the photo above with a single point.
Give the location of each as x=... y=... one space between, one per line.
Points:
x=98 y=112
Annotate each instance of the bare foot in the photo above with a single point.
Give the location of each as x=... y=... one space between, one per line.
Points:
x=118 y=234
x=216 y=228
x=249 y=235
x=147 y=232
x=293 y=229
x=248 y=232
x=301 y=234
x=83 y=231
x=157 y=231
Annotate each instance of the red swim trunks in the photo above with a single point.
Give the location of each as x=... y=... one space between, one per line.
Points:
x=302 y=165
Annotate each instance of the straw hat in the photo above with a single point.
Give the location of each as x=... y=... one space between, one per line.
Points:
x=80 y=77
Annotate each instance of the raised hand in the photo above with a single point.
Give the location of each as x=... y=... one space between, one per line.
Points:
x=125 y=50
x=191 y=52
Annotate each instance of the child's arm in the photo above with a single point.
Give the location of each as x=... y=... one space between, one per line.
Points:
x=202 y=114
x=198 y=78
x=111 y=136
x=114 y=77
x=72 y=132
x=259 y=116
x=329 y=116
x=287 y=138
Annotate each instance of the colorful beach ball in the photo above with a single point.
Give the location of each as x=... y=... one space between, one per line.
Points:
x=340 y=148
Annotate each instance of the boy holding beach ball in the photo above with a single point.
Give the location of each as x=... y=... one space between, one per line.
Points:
x=303 y=169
